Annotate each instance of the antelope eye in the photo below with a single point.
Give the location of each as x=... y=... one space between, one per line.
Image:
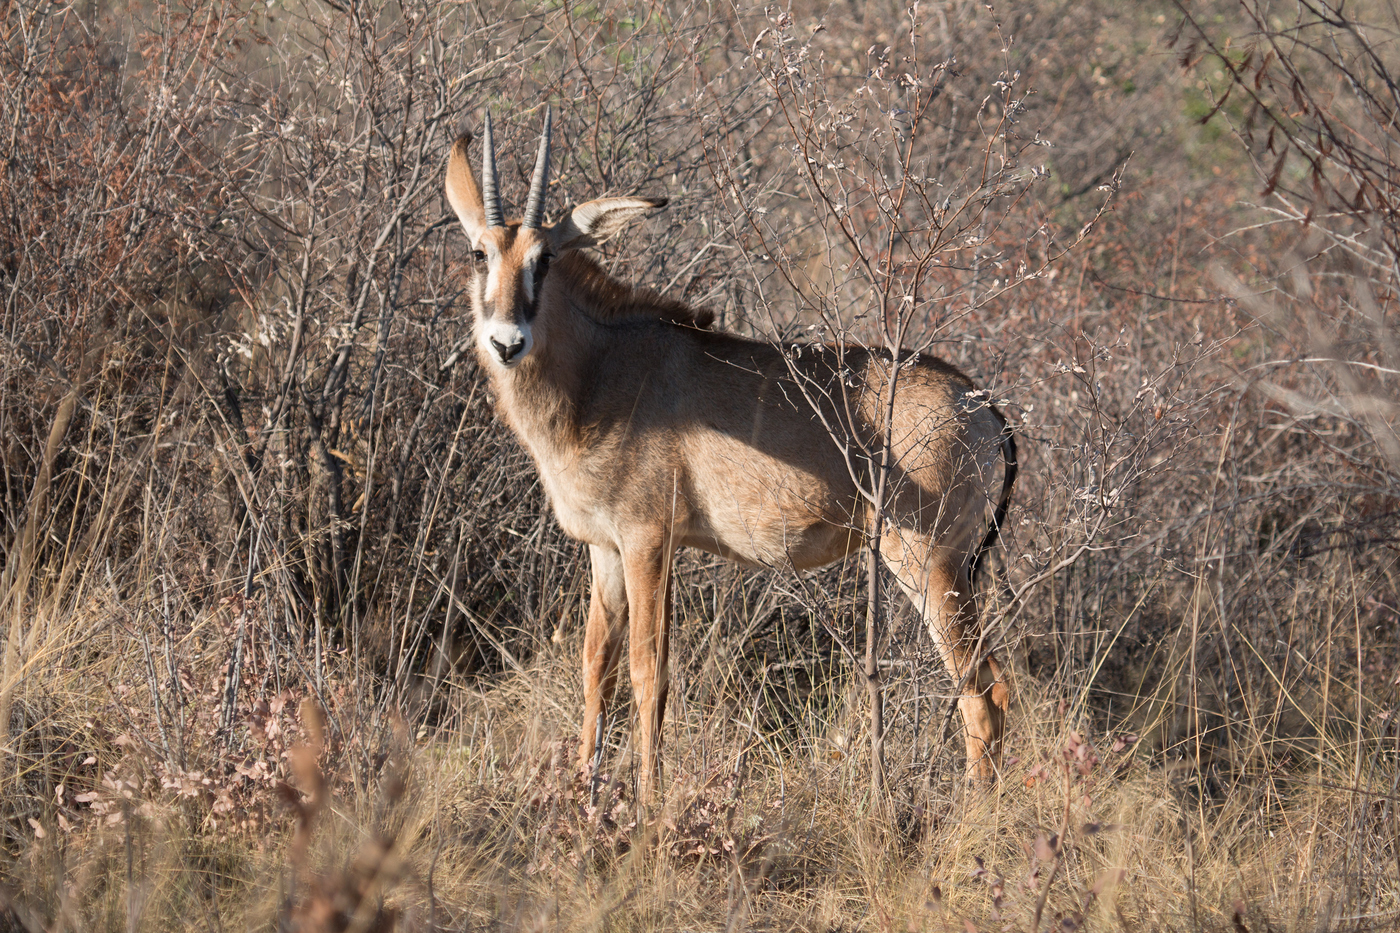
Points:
x=542 y=267
x=478 y=255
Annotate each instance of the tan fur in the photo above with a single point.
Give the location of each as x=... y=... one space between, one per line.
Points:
x=611 y=302
x=651 y=433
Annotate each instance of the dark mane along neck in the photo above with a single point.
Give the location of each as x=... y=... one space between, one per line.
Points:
x=608 y=301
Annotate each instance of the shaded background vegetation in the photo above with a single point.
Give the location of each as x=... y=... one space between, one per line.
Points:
x=240 y=473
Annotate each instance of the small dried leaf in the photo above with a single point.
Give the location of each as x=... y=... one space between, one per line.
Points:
x=314 y=721
x=1263 y=69
x=1218 y=104
x=1107 y=880
x=1237 y=919
x=1274 y=175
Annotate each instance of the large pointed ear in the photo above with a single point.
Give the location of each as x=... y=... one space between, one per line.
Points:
x=598 y=220
x=462 y=192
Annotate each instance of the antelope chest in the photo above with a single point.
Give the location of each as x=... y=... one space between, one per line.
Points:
x=579 y=513
x=589 y=502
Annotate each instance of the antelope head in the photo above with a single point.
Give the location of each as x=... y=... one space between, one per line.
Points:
x=511 y=259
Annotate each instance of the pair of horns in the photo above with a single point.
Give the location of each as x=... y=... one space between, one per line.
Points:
x=490 y=193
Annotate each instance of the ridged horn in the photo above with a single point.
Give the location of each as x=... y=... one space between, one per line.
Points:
x=534 y=207
x=490 y=195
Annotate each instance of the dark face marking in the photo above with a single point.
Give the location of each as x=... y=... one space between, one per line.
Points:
x=532 y=295
x=509 y=269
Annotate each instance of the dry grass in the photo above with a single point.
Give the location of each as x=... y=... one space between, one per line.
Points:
x=496 y=831
x=476 y=819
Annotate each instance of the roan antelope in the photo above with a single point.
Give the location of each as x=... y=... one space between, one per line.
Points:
x=651 y=431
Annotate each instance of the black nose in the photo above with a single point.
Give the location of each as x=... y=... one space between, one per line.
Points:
x=507 y=353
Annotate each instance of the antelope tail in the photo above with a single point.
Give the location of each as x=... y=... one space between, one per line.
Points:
x=1008 y=451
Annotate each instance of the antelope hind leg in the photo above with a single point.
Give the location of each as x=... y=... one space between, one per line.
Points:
x=933 y=579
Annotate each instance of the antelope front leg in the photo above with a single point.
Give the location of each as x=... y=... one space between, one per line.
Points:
x=649 y=627
x=602 y=648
